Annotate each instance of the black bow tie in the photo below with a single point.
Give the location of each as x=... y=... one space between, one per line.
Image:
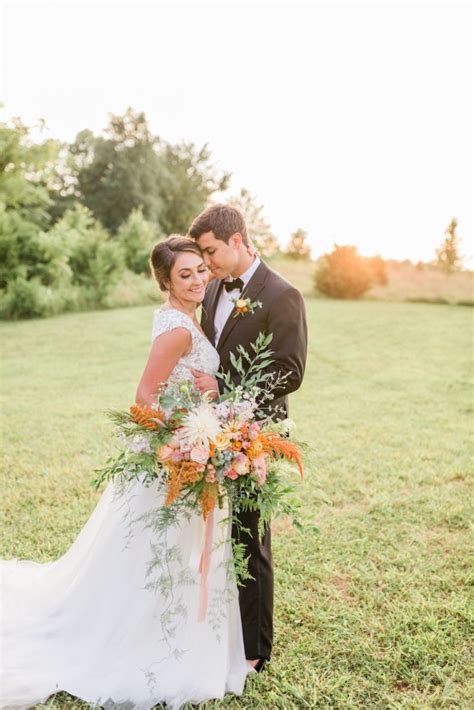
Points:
x=231 y=285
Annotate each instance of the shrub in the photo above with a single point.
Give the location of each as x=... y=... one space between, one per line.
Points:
x=94 y=261
x=20 y=249
x=378 y=269
x=136 y=237
x=24 y=299
x=343 y=273
x=133 y=290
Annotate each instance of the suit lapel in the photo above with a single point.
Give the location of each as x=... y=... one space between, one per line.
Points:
x=209 y=309
x=251 y=292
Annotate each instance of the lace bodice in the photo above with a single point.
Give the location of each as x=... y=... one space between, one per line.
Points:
x=203 y=355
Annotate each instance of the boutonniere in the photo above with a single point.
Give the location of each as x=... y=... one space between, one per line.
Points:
x=242 y=306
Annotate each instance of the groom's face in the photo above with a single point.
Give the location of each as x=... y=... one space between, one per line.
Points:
x=221 y=258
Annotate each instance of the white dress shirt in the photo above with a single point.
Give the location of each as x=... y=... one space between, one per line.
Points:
x=225 y=306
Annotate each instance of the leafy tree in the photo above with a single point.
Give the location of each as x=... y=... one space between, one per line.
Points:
x=22 y=173
x=343 y=273
x=119 y=172
x=20 y=249
x=258 y=228
x=188 y=183
x=448 y=254
x=137 y=237
x=24 y=201
x=131 y=168
x=95 y=262
x=297 y=247
x=137 y=184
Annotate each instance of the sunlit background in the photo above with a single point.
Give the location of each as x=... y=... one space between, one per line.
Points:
x=351 y=121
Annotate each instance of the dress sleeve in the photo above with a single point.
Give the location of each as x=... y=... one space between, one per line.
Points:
x=164 y=321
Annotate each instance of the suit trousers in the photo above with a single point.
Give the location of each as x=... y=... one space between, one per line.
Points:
x=256 y=596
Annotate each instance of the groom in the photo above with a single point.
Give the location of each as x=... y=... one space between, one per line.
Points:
x=221 y=234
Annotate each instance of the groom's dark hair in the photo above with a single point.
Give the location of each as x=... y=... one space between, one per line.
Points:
x=222 y=220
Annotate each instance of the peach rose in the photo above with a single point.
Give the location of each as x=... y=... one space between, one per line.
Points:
x=260 y=467
x=240 y=464
x=165 y=452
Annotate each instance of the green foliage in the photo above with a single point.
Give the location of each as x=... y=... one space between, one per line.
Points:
x=448 y=255
x=343 y=273
x=130 y=168
x=137 y=236
x=298 y=247
x=23 y=209
x=74 y=265
x=120 y=172
x=20 y=249
x=23 y=171
x=252 y=370
x=189 y=181
x=24 y=299
x=95 y=261
x=109 y=199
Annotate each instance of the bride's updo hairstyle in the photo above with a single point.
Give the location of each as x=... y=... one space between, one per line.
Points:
x=164 y=255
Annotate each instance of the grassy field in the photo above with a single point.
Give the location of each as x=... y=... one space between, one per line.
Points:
x=374 y=611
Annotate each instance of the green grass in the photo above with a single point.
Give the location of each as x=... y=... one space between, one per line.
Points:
x=374 y=611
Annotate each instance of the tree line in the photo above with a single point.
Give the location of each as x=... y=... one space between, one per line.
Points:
x=78 y=218
x=74 y=217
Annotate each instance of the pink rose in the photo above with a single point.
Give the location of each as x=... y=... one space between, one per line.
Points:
x=230 y=473
x=254 y=430
x=199 y=454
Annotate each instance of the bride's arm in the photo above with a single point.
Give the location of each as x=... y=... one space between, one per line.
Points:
x=165 y=352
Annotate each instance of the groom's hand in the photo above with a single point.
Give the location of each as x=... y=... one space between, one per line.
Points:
x=206 y=383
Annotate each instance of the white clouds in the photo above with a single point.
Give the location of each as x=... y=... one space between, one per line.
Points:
x=352 y=121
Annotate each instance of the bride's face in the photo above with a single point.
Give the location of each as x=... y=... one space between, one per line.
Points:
x=189 y=277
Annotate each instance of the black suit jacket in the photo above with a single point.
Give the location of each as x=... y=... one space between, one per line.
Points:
x=282 y=313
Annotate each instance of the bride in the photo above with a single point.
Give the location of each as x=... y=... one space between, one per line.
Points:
x=116 y=619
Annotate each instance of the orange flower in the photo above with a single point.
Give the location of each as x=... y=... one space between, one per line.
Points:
x=208 y=498
x=178 y=475
x=255 y=448
x=278 y=446
x=146 y=416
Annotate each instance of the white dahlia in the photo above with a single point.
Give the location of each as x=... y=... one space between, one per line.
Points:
x=200 y=426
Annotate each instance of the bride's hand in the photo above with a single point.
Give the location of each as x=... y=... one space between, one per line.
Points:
x=206 y=384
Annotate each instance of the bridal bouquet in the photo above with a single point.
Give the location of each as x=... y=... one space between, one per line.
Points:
x=203 y=451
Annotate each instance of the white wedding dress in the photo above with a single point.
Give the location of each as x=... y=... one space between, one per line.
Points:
x=114 y=621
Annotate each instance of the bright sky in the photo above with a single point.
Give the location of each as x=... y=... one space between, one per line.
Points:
x=352 y=121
